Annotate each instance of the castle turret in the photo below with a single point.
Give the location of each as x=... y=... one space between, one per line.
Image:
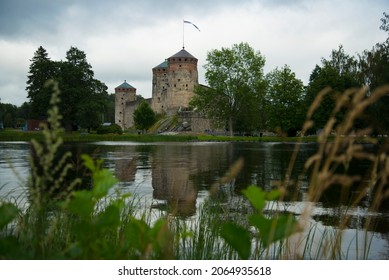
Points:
x=174 y=81
x=183 y=78
x=160 y=86
x=125 y=94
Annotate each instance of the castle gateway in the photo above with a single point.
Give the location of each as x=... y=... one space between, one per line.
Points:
x=174 y=81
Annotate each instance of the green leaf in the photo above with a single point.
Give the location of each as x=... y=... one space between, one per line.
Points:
x=82 y=204
x=88 y=162
x=256 y=196
x=238 y=238
x=136 y=234
x=273 y=195
x=103 y=181
x=8 y=212
x=274 y=229
x=109 y=218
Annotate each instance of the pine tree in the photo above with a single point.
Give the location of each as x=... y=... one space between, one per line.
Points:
x=41 y=70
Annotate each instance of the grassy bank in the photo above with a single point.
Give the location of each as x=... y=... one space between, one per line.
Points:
x=16 y=135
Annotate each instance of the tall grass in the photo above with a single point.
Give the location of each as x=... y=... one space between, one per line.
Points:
x=339 y=144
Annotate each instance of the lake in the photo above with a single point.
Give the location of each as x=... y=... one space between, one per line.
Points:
x=177 y=177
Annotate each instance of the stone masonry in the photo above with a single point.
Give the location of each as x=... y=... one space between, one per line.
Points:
x=173 y=86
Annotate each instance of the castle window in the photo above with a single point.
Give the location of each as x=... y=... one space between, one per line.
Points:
x=186 y=59
x=186 y=85
x=179 y=80
x=174 y=85
x=179 y=59
x=180 y=65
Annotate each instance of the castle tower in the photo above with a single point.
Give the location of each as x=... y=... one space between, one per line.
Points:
x=160 y=86
x=125 y=94
x=173 y=82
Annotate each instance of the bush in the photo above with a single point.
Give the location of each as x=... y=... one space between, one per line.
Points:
x=113 y=128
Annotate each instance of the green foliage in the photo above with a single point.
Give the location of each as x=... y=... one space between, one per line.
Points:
x=238 y=237
x=283 y=100
x=8 y=212
x=41 y=70
x=49 y=168
x=100 y=229
x=235 y=95
x=62 y=223
x=84 y=98
x=374 y=72
x=385 y=24
x=339 y=73
x=112 y=128
x=9 y=115
x=267 y=229
x=144 y=116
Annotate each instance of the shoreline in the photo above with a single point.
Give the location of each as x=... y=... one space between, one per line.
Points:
x=17 y=136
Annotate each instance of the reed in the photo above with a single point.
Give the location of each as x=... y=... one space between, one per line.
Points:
x=340 y=144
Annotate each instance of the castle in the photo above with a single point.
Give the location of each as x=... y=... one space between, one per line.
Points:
x=174 y=81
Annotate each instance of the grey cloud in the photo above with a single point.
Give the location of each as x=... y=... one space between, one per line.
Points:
x=19 y=18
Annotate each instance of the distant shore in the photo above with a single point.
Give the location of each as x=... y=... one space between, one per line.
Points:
x=15 y=135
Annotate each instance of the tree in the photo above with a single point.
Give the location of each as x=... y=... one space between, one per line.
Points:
x=75 y=82
x=83 y=98
x=8 y=115
x=41 y=70
x=235 y=95
x=284 y=96
x=385 y=24
x=144 y=116
x=109 y=109
x=374 y=72
x=340 y=72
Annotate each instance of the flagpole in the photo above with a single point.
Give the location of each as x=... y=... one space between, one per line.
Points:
x=183 y=34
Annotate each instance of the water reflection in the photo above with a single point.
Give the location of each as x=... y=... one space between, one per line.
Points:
x=175 y=176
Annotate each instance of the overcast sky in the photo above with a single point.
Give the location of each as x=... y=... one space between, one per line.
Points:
x=125 y=39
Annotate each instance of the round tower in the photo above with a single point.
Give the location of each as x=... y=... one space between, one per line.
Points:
x=125 y=94
x=173 y=82
x=160 y=86
x=183 y=77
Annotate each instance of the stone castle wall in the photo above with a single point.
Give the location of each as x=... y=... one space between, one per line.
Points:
x=160 y=86
x=123 y=98
x=173 y=83
x=194 y=121
x=182 y=80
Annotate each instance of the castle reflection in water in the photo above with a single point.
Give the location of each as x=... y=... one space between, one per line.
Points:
x=177 y=172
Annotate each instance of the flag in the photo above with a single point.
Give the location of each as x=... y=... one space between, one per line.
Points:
x=185 y=21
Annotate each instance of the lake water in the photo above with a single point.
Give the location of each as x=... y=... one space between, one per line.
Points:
x=177 y=177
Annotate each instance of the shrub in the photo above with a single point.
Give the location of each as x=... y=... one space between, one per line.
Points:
x=113 y=128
